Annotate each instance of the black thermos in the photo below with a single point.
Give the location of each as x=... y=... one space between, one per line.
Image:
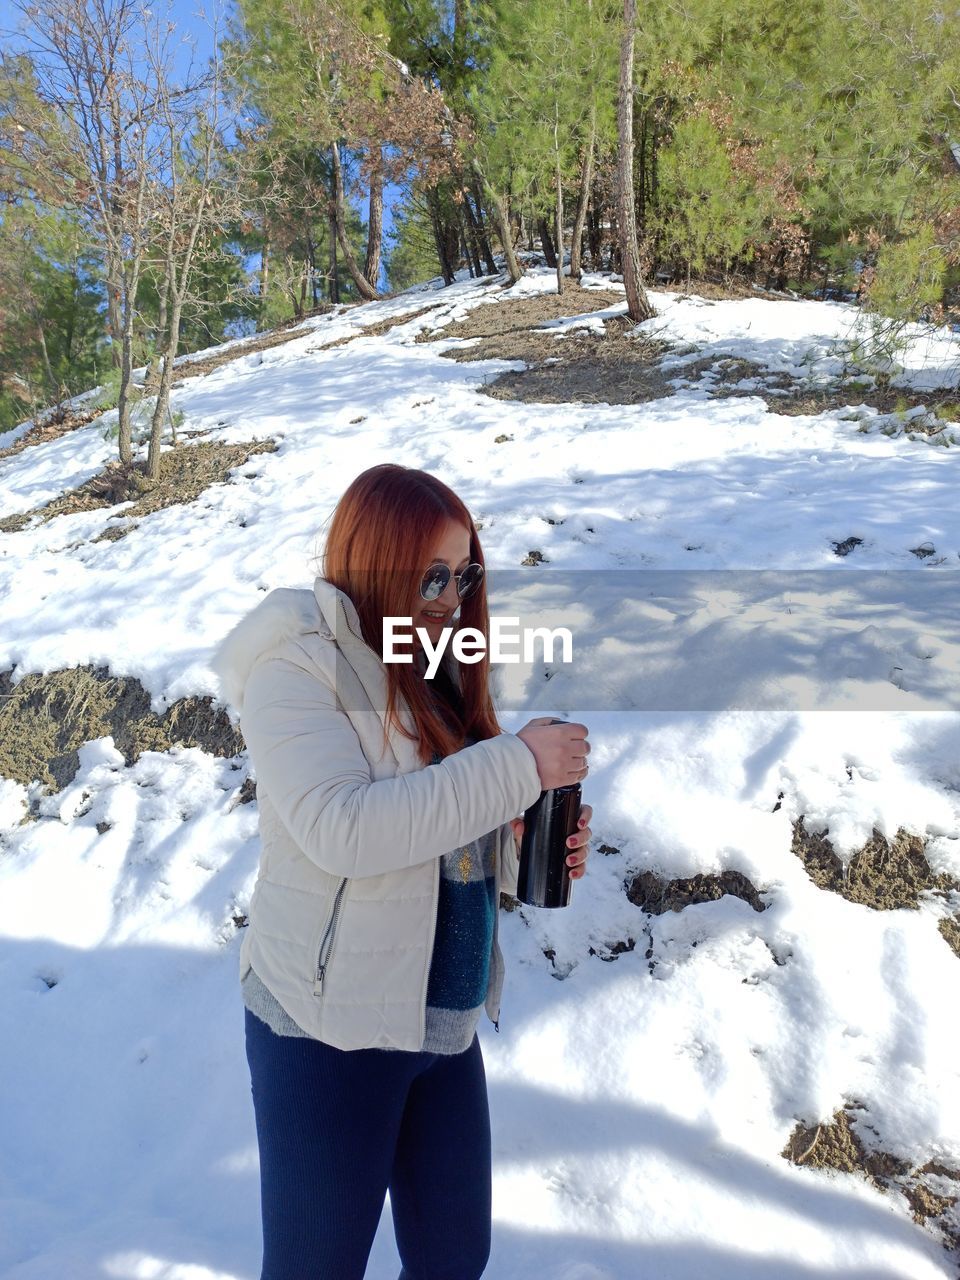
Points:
x=543 y=878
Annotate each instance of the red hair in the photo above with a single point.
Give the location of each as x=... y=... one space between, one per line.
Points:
x=381 y=539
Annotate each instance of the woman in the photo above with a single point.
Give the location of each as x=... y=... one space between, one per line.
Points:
x=386 y=808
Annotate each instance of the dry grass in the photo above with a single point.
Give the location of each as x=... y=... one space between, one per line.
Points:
x=655 y=895
x=949 y=928
x=45 y=719
x=185 y=472
x=619 y=366
x=261 y=342
x=784 y=394
x=883 y=876
x=55 y=424
x=837 y=1146
x=510 y=314
x=720 y=288
x=381 y=327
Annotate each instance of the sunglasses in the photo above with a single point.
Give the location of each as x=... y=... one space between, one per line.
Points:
x=434 y=581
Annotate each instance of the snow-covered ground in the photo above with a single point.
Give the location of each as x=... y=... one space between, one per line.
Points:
x=639 y=1105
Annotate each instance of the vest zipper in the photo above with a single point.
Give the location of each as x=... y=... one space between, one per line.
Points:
x=326 y=942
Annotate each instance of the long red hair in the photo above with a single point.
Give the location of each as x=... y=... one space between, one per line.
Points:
x=379 y=543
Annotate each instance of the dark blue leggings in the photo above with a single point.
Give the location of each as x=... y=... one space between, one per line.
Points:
x=337 y=1129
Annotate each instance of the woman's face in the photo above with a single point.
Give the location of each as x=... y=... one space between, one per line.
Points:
x=451 y=548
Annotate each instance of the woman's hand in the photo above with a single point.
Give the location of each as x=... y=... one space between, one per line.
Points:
x=577 y=843
x=560 y=749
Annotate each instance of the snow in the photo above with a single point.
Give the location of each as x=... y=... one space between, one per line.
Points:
x=639 y=1104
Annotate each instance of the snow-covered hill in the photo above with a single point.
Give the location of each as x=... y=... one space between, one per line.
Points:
x=738 y=672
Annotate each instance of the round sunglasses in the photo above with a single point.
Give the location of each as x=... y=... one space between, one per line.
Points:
x=434 y=581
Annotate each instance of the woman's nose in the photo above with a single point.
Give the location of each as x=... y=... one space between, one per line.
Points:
x=448 y=597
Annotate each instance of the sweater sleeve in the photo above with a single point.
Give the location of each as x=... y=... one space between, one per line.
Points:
x=308 y=758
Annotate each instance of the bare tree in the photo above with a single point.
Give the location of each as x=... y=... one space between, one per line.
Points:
x=366 y=288
x=193 y=197
x=86 y=121
x=586 y=178
x=638 y=304
x=371 y=267
x=500 y=219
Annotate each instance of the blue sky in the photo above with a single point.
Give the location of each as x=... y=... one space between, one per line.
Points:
x=196 y=31
x=193 y=34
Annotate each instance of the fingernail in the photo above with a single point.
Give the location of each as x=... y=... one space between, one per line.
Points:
x=582 y=822
x=572 y=841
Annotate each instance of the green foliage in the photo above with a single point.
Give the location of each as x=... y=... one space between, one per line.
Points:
x=909 y=276
x=706 y=211
x=856 y=97
x=412 y=255
x=108 y=391
x=52 y=342
x=754 y=119
x=551 y=61
x=222 y=304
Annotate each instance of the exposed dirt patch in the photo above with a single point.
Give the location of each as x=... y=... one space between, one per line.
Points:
x=249 y=346
x=610 y=952
x=731 y=287
x=57 y=423
x=784 y=394
x=950 y=928
x=881 y=875
x=837 y=1146
x=519 y=315
x=382 y=326
x=883 y=399
x=619 y=366
x=655 y=895
x=584 y=368
x=45 y=719
x=847 y=545
x=722 y=373
x=185 y=472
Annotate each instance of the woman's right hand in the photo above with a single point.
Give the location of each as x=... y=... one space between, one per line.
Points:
x=560 y=751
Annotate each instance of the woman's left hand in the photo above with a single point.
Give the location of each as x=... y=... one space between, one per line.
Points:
x=577 y=843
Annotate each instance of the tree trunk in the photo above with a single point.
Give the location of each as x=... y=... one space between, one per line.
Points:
x=594 y=232
x=71 y=319
x=642 y=171
x=124 y=427
x=312 y=267
x=482 y=235
x=451 y=232
x=558 y=208
x=334 y=286
x=114 y=318
x=152 y=379
x=304 y=273
x=638 y=305
x=163 y=393
x=264 y=282
x=366 y=290
x=500 y=220
x=371 y=267
x=586 y=177
x=526 y=232
x=471 y=250
x=439 y=239
x=546 y=242
x=48 y=368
